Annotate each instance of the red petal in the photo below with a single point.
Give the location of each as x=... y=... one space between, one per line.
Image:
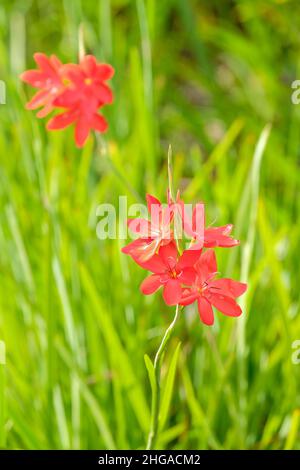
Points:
x=188 y=276
x=89 y=65
x=168 y=254
x=99 y=123
x=74 y=73
x=67 y=98
x=39 y=99
x=172 y=292
x=205 y=311
x=104 y=94
x=228 y=287
x=167 y=215
x=35 y=78
x=207 y=265
x=45 y=111
x=139 y=226
x=45 y=65
x=188 y=297
x=198 y=223
x=150 y=284
x=56 y=63
x=104 y=72
x=151 y=200
x=143 y=250
x=137 y=248
x=149 y=250
x=218 y=236
x=226 y=305
x=188 y=258
x=82 y=130
x=61 y=120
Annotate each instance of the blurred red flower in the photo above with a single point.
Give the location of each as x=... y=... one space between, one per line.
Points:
x=208 y=291
x=78 y=88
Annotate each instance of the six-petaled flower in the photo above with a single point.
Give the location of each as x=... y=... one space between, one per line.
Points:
x=170 y=270
x=209 y=291
x=153 y=233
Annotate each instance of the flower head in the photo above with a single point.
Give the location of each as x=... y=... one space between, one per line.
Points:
x=78 y=88
x=154 y=233
x=200 y=236
x=209 y=291
x=171 y=271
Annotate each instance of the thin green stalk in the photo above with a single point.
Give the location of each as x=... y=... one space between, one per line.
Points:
x=2 y=395
x=156 y=392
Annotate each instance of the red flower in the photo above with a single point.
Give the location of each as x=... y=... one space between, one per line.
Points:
x=201 y=236
x=48 y=78
x=153 y=233
x=79 y=89
x=208 y=291
x=170 y=271
x=86 y=93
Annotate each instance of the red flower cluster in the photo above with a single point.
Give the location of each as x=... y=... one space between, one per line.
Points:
x=79 y=89
x=189 y=275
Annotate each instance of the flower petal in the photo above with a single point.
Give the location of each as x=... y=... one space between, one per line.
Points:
x=205 y=311
x=218 y=236
x=188 y=258
x=188 y=297
x=148 y=251
x=168 y=254
x=35 y=78
x=104 y=71
x=82 y=130
x=99 y=123
x=143 y=251
x=228 y=287
x=104 y=93
x=151 y=200
x=44 y=63
x=187 y=276
x=89 y=65
x=172 y=292
x=226 y=305
x=39 y=99
x=61 y=120
x=198 y=223
x=150 y=284
x=138 y=248
x=207 y=265
x=139 y=226
x=67 y=98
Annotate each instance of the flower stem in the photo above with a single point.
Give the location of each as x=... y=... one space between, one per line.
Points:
x=156 y=393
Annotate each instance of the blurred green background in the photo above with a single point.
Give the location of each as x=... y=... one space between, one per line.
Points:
x=207 y=77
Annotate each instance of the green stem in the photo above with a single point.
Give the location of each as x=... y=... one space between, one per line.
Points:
x=2 y=395
x=156 y=393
